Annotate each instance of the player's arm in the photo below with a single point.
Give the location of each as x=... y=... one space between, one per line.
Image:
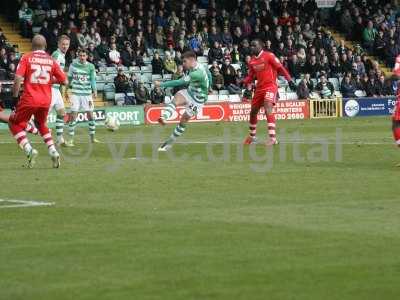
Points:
x=59 y=75
x=210 y=79
x=175 y=83
x=92 y=77
x=250 y=76
x=19 y=79
x=281 y=70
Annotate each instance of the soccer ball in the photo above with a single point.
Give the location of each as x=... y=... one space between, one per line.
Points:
x=111 y=123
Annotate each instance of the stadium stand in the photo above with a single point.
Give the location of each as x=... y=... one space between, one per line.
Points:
x=145 y=39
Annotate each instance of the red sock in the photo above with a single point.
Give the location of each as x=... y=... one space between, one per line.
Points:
x=253 y=126
x=396 y=135
x=271 y=126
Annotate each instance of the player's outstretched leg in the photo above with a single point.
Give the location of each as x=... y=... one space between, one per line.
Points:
x=178 y=131
x=167 y=112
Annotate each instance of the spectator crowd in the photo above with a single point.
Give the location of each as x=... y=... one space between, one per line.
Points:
x=127 y=33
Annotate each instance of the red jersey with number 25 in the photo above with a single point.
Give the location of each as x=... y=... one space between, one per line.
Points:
x=265 y=68
x=39 y=71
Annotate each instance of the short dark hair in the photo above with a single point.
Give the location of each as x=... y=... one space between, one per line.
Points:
x=189 y=54
x=82 y=50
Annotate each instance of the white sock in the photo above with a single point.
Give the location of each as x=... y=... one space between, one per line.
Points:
x=27 y=148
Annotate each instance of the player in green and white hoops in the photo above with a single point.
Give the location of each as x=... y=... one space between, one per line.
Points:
x=198 y=81
x=57 y=101
x=82 y=82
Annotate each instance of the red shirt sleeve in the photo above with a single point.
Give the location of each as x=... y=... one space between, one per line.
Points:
x=250 y=76
x=58 y=74
x=276 y=64
x=22 y=66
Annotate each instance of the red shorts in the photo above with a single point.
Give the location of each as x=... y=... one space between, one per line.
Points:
x=23 y=115
x=266 y=95
x=396 y=113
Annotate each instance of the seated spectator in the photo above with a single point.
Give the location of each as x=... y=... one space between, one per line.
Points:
x=177 y=75
x=157 y=95
x=217 y=80
x=391 y=52
x=103 y=49
x=309 y=82
x=142 y=94
x=303 y=91
x=157 y=64
x=372 y=87
x=229 y=72
x=127 y=55
x=312 y=67
x=294 y=67
x=384 y=86
x=347 y=87
x=114 y=56
x=215 y=53
x=380 y=44
x=195 y=45
x=324 y=88
x=169 y=64
x=121 y=82
x=92 y=51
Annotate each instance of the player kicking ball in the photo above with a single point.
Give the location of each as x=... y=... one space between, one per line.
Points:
x=198 y=81
x=265 y=68
x=37 y=71
x=57 y=101
x=82 y=82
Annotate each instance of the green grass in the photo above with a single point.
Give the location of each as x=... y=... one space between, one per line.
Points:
x=155 y=227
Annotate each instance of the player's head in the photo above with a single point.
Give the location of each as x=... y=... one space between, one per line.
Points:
x=63 y=43
x=82 y=55
x=256 y=46
x=39 y=42
x=189 y=60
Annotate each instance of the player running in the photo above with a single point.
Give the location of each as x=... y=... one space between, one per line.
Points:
x=264 y=67
x=57 y=101
x=198 y=81
x=82 y=81
x=38 y=71
x=396 y=113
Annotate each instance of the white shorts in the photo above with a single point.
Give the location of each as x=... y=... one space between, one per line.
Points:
x=81 y=103
x=57 y=101
x=192 y=107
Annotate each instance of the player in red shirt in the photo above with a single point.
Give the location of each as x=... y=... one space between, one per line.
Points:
x=396 y=113
x=37 y=71
x=265 y=68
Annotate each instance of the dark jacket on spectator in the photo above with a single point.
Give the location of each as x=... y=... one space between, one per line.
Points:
x=347 y=89
x=122 y=85
x=142 y=94
x=157 y=96
x=157 y=65
x=371 y=88
x=127 y=58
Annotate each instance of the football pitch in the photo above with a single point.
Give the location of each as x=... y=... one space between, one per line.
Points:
x=316 y=217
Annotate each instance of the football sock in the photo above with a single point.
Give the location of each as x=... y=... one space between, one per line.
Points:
x=168 y=111
x=92 y=128
x=178 y=131
x=59 y=126
x=396 y=135
x=71 y=128
x=271 y=126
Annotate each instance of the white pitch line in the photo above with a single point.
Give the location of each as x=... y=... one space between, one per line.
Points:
x=305 y=142
x=23 y=203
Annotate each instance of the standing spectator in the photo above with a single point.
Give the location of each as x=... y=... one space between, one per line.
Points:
x=324 y=88
x=157 y=64
x=169 y=64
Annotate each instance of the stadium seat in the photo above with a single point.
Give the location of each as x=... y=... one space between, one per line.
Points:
x=134 y=69
x=212 y=98
x=100 y=86
x=110 y=96
x=119 y=98
x=236 y=66
x=155 y=77
x=335 y=83
x=111 y=69
x=223 y=92
x=167 y=76
x=202 y=59
x=146 y=69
